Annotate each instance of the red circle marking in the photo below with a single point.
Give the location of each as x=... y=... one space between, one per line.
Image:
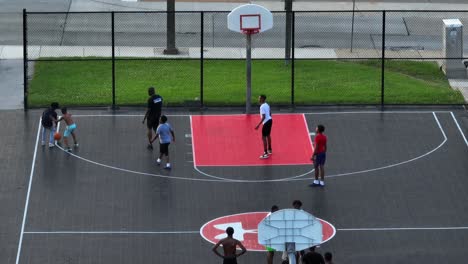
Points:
x=245 y=229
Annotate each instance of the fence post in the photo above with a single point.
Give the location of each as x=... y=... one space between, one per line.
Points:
x=382 y=94
x=25 y=60
x=202 y=15
x=113 y=60
x=293 y=56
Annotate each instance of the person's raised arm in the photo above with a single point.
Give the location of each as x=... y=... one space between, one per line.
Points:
x=215 y=249
x=243 y=249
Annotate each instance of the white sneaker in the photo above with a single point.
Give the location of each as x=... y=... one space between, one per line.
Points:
x=76 y=145
x=69 y=150
x=168 y=166
x=264 y=156
x=158 y=161
x=43 y=143
x=316 y=182
x=270 y=152
x=51 y=145
x=322 y=183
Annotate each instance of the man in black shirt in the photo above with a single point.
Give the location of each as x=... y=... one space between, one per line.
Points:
x=153 y=114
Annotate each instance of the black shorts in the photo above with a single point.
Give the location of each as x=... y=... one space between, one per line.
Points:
x=164 y=148
x=230 y=261
x=152 y=122
x=266 y=129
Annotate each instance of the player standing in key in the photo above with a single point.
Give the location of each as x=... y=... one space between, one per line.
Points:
x=267 y=122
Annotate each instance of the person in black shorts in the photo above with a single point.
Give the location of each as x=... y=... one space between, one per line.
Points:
x=229 y=245
x=153 y=114
x=267 y=121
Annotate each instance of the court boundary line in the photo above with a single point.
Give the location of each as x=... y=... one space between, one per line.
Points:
x=172 y=177
x=305 y=113
x=404 y=228
x=108 y=232
x=287 y=179
x=66 y=232
x=459 y=128
x=28 y=194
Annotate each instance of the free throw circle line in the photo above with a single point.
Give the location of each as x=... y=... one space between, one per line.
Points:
x=295 y=178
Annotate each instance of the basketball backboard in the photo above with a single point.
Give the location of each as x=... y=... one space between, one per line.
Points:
x=290 y=226
x=250 y=19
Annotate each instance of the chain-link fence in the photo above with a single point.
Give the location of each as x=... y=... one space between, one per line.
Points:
x=329 y=58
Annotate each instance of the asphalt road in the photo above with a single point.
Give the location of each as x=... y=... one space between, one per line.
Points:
x=418 y=30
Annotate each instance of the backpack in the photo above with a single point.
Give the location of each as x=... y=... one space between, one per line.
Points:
x=46 y=120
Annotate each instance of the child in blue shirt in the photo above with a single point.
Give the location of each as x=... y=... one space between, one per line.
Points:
x=165 y=134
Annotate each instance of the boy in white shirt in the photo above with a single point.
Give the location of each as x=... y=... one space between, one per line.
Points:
x=267 y=121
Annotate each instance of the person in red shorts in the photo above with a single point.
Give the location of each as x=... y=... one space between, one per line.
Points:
x=319 y=156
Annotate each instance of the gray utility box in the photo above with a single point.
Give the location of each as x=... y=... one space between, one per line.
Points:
x=453 y=49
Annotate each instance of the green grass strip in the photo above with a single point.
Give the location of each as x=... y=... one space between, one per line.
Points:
x=89 y=83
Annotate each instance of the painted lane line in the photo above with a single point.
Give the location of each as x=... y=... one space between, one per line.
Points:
x=188 y=135
x=193 y=143
x=308 y=132
x=109 y=232
x=283 y=179
x=26 y=206
x=306 y=113
x=404 y=228
x=198 y=231
x=459 y=128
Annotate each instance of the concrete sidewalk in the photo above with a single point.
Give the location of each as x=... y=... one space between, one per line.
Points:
x=11 y=74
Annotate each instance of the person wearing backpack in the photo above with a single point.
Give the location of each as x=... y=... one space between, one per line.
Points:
x=49 y=122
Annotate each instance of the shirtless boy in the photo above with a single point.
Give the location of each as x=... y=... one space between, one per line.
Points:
x=229 y=246
x=71 y=126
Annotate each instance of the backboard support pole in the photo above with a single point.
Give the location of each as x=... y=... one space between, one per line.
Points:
x=291 y=249
x=248 y=94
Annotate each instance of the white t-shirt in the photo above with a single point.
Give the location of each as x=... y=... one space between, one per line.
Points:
x=265 y=110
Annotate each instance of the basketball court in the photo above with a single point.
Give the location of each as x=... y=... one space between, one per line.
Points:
x=396 y=187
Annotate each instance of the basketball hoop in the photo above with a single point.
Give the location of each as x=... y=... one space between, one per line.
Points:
x=249 y=19
x=250 y=23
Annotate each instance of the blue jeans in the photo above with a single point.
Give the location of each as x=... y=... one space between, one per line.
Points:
x=51 y=133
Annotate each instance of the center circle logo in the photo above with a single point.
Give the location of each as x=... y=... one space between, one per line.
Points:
x=245 y=229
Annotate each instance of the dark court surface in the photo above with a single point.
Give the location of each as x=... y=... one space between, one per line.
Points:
x=396 y=190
